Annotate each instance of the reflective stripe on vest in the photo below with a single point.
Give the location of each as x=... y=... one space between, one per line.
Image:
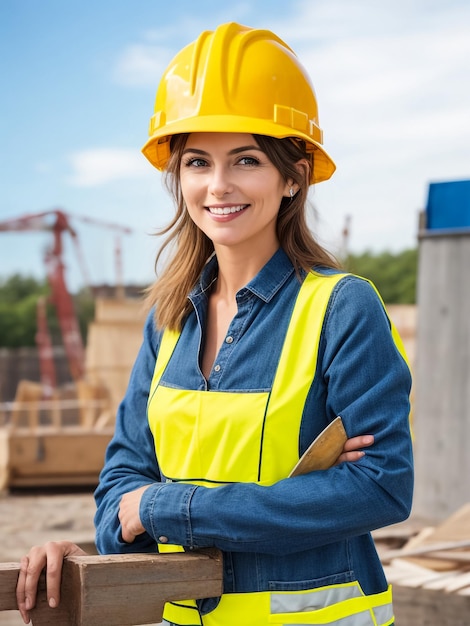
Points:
x=213 y=438
x=340 y=605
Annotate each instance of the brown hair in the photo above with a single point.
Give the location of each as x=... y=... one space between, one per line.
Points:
x=191 y=248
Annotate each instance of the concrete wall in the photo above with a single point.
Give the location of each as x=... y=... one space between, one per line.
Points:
x=442 y=376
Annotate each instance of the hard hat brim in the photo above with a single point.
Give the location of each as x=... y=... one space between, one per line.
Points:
x=157 y=148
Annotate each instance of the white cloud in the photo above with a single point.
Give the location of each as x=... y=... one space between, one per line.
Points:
x=392 y=81
x=142 y=64
x=394 y=95
x=105 y=165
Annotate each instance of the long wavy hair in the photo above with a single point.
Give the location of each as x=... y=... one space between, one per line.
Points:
x=189 y=248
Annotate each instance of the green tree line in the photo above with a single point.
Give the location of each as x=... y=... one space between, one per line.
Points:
x=19 y=296
x=394 y=275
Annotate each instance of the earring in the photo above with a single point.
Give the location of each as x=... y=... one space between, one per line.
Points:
x=291 y=192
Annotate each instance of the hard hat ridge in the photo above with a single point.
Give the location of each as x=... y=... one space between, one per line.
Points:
x=237 y=79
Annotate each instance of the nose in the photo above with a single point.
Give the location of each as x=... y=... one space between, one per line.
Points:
x=220 y=183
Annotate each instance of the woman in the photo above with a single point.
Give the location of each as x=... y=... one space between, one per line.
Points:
x=255 y=343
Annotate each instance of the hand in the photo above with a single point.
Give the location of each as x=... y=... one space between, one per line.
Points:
x=50 y=556
x=129 y=514
x=351 y=450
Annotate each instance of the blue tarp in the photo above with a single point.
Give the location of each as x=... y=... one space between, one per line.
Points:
x=448 y=205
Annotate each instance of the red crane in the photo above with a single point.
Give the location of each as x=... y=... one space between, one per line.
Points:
x=58 y=223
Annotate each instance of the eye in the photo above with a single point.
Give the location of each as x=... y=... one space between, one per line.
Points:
x=195 y=162
x=248 y=160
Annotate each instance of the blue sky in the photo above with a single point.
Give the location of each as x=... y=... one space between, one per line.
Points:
x=78 y=84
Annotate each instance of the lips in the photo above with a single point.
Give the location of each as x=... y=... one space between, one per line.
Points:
x=227 y=210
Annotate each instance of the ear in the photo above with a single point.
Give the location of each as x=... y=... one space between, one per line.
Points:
x=303 y=167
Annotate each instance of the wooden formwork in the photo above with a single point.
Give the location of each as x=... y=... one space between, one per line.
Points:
x=425 y=598
x=430 y=573
x=114 y=338
x=54 y=442
x=62 y=440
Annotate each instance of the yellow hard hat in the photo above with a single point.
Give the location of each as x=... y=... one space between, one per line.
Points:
x=241 y=80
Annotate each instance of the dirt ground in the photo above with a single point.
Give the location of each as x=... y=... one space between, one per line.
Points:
x=28 y=519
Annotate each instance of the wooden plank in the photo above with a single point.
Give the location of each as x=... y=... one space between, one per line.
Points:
x=458 y=582
x=424 y=550
x=47 y=456
x=440 y=583
x=455 y=528
x=404 y=567
x=120 y=590
x=418 y=580
x=456 y=557
x=421 y=537
x=8 y=577
x=55 y=480
x=407 y=574
x=453 y=533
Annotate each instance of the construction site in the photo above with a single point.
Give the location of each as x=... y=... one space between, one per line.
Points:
x=53 y=435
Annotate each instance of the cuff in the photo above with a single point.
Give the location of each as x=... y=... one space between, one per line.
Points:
x=165 y=513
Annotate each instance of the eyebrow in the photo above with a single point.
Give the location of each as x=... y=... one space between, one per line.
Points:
x=234 y=151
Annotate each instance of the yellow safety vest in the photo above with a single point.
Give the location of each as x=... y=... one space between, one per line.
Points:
x=210 y=438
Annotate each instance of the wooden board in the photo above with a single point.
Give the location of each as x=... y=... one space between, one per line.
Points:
x=324 y=450
x=120 y=590
x=425 y=597
x=45 y=456
x=455 y=529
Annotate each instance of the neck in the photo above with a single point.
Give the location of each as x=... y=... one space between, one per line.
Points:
x=236 y=271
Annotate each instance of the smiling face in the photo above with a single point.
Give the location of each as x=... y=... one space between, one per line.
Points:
x=232 y=191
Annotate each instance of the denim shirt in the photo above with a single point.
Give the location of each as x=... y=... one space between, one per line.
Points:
x=314 y=527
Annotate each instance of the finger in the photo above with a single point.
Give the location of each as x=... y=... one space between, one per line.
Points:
x=55 y=551
x=31 y=567
x=21 y=592
x=126 y=533
x=51 y=556
x=355 y=443
x=351 y=450
x=350 y=456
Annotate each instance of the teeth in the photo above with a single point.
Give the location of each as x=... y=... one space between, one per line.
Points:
x=227 y=209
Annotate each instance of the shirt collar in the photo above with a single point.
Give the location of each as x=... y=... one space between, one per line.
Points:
x=264 y=285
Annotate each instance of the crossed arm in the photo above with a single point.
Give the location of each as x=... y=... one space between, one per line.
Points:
x=52 y=554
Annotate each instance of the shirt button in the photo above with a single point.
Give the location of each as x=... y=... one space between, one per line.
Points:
x=229 y=339
x=217 y=368
x=163 y=539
